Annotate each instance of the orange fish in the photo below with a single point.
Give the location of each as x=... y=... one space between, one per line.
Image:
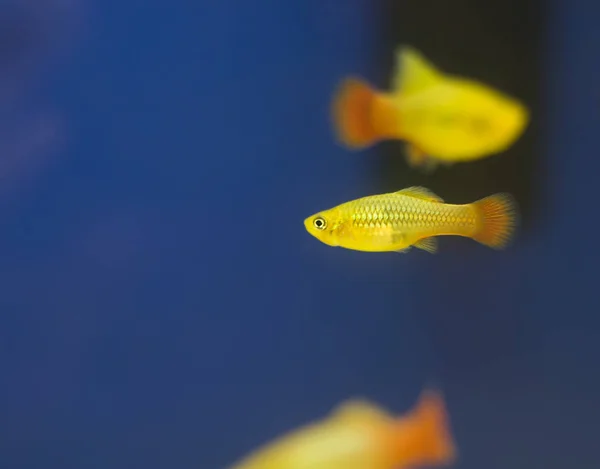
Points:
x=360 y=435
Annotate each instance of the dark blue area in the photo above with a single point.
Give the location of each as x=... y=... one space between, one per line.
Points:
x=163 y=306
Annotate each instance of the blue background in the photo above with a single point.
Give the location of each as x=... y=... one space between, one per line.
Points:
x=162 y=304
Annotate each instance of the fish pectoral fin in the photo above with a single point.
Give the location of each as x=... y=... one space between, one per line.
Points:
x=414 y=73
x=420 y=192
x=427 y=244
x=399 y=239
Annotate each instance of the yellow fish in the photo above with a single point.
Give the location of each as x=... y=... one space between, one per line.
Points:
x=360 y=435
x=443 y=118
x=413 y=217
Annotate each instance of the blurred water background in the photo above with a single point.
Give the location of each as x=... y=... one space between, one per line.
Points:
x=162 y=304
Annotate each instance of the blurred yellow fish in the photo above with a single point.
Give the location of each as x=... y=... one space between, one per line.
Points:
x=413 y=216
x=443 y=118
x=360 y=435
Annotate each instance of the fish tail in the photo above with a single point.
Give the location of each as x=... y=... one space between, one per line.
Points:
x=361 y=115
x=424 y=434
x=497 y=219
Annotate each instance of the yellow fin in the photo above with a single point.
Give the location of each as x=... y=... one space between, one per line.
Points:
x=427 y=244
x=414 y=156
x=417 y=158
x=414 y=73
x=421 y=193
x=358 y=410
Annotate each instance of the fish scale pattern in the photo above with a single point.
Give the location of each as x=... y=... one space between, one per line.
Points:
x=401 y=212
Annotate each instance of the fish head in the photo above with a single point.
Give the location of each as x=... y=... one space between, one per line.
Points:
x=498 y=121
x=325 y=226
x=512 y=117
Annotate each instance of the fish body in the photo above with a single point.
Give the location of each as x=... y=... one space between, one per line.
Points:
x=360 y=435
x=413 y=217
x=443 y=118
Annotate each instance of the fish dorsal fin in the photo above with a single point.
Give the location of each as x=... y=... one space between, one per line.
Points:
x=414 y=73
x=427 y=244
x=358 y=410
x=421 y=193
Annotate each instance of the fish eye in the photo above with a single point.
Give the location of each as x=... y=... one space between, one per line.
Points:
x=319 y=223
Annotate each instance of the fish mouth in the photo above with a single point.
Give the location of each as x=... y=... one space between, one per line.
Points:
x=320 y=235
x=515 y=120
x=522 y=119
x=308 y=225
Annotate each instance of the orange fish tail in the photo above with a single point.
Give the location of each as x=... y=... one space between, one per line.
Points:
x=361 y=115
x=497 y=219
x=424 y=435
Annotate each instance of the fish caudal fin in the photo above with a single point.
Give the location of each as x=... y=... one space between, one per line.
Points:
x=497 y=220
x=424 y=435
x=361 y=115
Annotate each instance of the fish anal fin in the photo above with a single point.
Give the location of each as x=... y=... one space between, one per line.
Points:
x=414 y=155
x=428 y=244
x=417 y=158
x=420 y=192
x=414 y=73
x=430 y=166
